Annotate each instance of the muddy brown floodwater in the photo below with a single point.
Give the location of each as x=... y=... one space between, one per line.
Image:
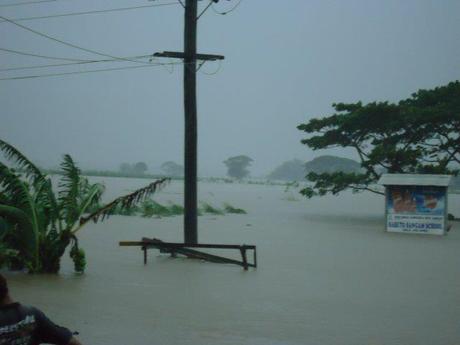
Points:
x=328 y=275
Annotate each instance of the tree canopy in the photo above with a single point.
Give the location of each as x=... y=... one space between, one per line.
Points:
x=293 y=170
x=135 y=169
x=420 y=134
x=173 y=169
x=237 y=166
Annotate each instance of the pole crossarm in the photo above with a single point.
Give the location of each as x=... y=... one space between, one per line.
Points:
x=180 y=55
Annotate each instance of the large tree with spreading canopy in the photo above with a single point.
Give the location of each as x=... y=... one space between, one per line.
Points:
x=420 y=134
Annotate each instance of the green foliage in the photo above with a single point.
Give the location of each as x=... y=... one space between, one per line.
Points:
x=208 y=208
x=140 y=168
x=290 y=185
x=119 y=210
x=151 y=208
x=40 y=226
x=79 y=258
x=172 y=169
x=230 y=209
x=450 y=216
x=331 y=164
x=293 y=170
x=416 y=135
x=176 y=210
x=237 y=166
x=7 y=255
x=134 y=170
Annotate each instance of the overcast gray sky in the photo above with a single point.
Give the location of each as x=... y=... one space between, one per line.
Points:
x=286 y=61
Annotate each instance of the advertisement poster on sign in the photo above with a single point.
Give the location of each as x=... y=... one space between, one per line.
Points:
x=416 y=209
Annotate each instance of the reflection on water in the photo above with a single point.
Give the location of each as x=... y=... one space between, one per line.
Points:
x=328 y=275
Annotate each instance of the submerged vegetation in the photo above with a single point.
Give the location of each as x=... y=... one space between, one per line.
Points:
x=208 y=208
x=150 y=208
x=230 y=209
x=38 y=224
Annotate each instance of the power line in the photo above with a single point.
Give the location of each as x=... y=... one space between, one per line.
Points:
x=82 y=72
x=206 y=8
x=68 y=44
x=89 y=12
x=26 y=3
x=230 y=10
x=69 y=64
x=41 y=56
x=219 y=66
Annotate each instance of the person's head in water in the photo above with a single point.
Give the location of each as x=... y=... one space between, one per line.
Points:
x=3 y=289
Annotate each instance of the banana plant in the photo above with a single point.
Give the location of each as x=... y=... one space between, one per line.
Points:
x=42 y=223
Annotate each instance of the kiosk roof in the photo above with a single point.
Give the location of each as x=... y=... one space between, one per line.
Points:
x=415 y=180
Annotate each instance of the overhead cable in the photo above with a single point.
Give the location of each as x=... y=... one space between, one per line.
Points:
x=89 y=12
x=206 y=8
x=219 y=66
x=69 y=44
x=41 y=56
x=26 y=3
x=81 y=72
x=69 y=63
x=230 y=10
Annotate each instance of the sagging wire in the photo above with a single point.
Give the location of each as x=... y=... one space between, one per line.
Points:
x=79 y=72
x=230 y=10
x=68 y=64
x=165 y=65
x=219 y=66
x=202 y=12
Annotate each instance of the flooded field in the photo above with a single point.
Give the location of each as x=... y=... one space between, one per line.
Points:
x=328 y=275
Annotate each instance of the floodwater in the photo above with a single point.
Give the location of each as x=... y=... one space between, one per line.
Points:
x=328 y=274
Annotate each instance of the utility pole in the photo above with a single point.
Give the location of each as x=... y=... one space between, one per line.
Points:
x=190 y=57
x=190 y=113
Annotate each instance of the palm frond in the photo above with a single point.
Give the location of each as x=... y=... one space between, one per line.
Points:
x=124 y=202
x=69 y=189
x=20 y=199
x=15 y=190
x=25 y=230
x=47 y=206
x=22 y=162
x=92 y=196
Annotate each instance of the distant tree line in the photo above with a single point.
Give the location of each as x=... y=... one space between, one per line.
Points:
x=136 y=169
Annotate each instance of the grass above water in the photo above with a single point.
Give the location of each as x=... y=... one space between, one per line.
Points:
x=230 y=209
x=208 y=208
x=151 y=208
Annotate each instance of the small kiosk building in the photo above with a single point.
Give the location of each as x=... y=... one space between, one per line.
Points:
x=416 y=203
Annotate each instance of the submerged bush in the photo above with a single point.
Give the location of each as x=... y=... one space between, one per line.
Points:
x=176 y=210
x=207 y=208
x=151 y=208
x=230 y=209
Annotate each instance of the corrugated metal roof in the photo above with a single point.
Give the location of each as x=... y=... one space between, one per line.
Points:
x=415 y=180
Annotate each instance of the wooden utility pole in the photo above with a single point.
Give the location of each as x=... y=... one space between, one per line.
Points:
x=190 y=57
x=190 y=138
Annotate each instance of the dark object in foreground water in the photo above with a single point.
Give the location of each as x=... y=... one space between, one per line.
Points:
x=183 y=249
